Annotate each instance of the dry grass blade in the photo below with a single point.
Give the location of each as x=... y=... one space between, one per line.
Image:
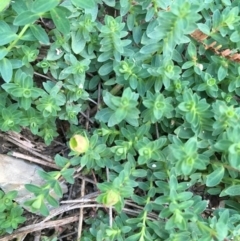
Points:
x=80 y=221
x=34 y=159
x=39 y=226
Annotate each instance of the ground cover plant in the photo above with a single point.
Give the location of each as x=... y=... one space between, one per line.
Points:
x=149 y=93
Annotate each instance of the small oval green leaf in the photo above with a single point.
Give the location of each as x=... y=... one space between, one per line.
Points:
x=24 y=18
x=84 y=4
x=39 y=33
x=233 y=190
x=59 y=17
x=6 y=69
x=42 y=6
x=4 y=5
x=215 y=177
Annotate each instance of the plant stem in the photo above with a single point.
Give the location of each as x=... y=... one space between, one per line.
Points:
x=205 y=227
x=116 y=89
x=19 y=37
x=145 y=218
x=63 y=169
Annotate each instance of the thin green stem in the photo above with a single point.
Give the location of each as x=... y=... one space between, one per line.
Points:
x=18 y=38
x=145 y=218
x=116 y=89
x=202 y=226
x=64 y=168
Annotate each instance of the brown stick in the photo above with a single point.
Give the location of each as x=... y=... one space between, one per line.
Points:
x=215 y=47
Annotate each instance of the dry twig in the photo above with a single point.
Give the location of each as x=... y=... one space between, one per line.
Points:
x=26 y=146
x=39 y=226
x=80 y=221
x=215 y=47
x=33 y=159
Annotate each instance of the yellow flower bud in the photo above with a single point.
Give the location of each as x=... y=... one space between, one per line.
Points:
x=112 y=197
x=79 y=144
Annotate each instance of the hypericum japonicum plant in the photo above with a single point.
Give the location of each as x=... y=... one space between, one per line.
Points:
x=148 y=94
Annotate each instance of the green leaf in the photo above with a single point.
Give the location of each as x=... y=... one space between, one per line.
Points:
x=222 y=73
x=191 y=145
x=3 y=52
x=11 y=195
x=235 y=37
x=137 y=34
x=7 y=36
x=113 y=120
x=231 y=191
x=25 y=18
x=160 y=175
x=187 y=166
x=224 y=217
x=161 y=200
x=104 y=115
x=57 y=189
x=68 y=175
x=104 y=56
x=45 y=175
x=192 y=50
x=60 y=160
x=183 y=196
x=173 y=183
x=110 y=3
x=6 y=69
x=134 y=237
x=84 y=4
x=59 y=16
x=39 y=33
x=227 y=2
x=33 y=188
x=133 y=220
x=25 y=103
x=204 y=28
x=52 y=201
x=42 y=6
x=138 y=200
x=200 y=207
x=4 y=4
x=37 y=203
x=43 y=209
x=215 y=177
x=106 y=68
x=165 y=213
x=120 y=114
x=223 y=145
x=187 y=65
x=150 y=48
x=150 y=14
x=55 y=88
x=78 y=43
x=139 y=173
